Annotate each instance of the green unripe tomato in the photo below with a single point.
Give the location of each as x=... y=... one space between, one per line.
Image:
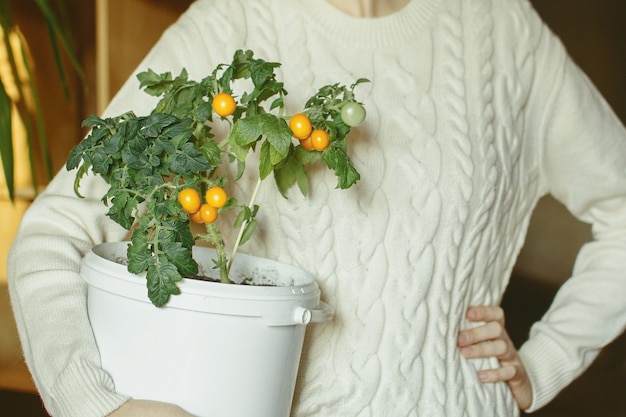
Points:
x=352 y=113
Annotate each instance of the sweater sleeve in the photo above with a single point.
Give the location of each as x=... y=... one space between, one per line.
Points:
x=583 y=164
x=47 y=293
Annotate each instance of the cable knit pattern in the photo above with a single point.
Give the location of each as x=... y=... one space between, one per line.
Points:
x=467 y=119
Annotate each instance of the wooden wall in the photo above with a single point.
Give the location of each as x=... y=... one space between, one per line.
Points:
x=130 y=38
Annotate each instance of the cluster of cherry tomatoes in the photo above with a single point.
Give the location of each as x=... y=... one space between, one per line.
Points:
x=352 y=113
x=215 y=198
x=310 y=139
x=224 y=105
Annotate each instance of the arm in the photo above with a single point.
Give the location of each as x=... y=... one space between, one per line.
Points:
x=580 y=148
x=47 y=293
x=584 y=166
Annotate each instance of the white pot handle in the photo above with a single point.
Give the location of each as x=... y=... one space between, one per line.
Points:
x=322 y=313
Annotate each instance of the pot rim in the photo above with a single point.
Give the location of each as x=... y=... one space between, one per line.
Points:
x=278 y=305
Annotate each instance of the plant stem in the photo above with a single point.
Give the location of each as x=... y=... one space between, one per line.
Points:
x=216 y=239
x=243 y=226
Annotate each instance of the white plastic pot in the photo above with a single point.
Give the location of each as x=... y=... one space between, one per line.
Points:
x=216 y=350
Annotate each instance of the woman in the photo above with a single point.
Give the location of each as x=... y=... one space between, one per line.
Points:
x=475 y=111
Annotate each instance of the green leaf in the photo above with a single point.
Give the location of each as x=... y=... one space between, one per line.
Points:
x=113 y=144
x=278 y=134
x=133 y=152
x=38 y=116
x=161 y=281
x=139 y=255
x=202 y=112
x=337 y=160
x=244 y=215
x=6 y=139
x=79 y=175
x=306 y=157
x=279 y=102
x=211 y=152
x=248 y=231
x=6 y=18
x=99 y=160
x=123 y=207
x=252 y=128
x=247 y=131
x=156 y=122
x=164 y=207
x=154 y=84
x=262 y=71
x=265 y=161
x=241 y=64
x=187 y=161
x=240 y=153
x=277 y=156
x=56 y=31
x=180 y=257
x=241 y=167
x=288 y=174
x=182 y=233
x=145 y=181
x=93 y=121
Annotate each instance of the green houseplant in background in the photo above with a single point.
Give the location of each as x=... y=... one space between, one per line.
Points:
x=18 y=87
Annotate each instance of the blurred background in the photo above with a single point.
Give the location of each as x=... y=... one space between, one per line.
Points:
x=109 y=41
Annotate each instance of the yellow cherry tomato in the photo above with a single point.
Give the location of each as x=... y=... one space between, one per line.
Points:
x=216 y=197
x=300 y=126
x=189 y=199
x=195 y=217
x=306 y=144
x=208 y=213
x=320 y=139
x=224 y=104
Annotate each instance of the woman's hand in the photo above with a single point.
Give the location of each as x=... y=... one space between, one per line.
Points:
x=492 y=340
x=146 y=408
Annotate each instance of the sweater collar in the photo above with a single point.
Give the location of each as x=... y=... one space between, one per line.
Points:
x=377 y=32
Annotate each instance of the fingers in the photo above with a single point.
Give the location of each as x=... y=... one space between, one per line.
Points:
x=495 y=348
x=488 y=331
x=488 y=340
x=502 y=374
x=486 y=314
x=142 y=408
x=515 y=375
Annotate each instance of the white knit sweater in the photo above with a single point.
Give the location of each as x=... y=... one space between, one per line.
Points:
x=474 y=112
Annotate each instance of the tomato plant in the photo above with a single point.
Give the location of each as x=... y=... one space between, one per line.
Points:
x=159 y=165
